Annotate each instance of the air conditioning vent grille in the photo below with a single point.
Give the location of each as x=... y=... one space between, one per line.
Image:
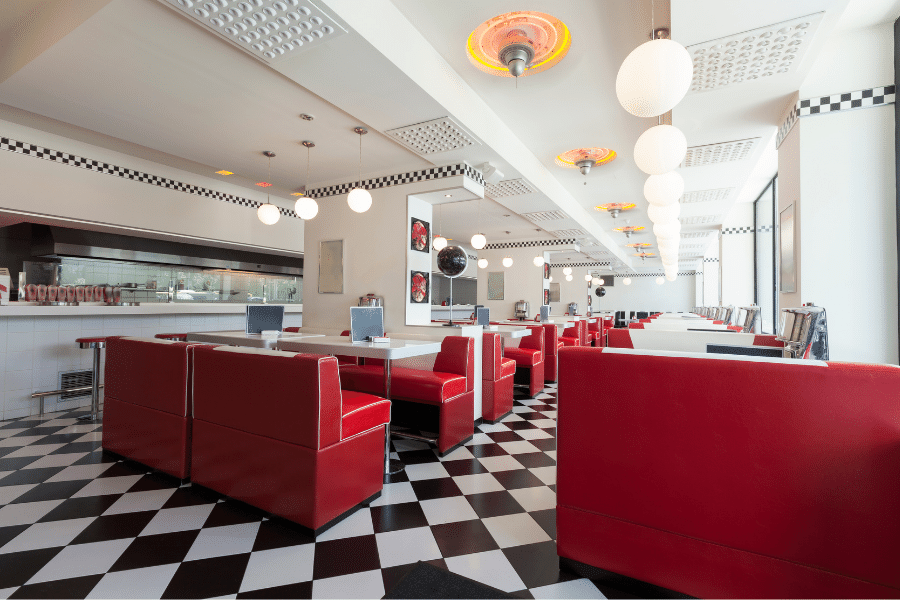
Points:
x=706 y=195
x=547 y=215
x=699 y=219
x=509 y=187
x=568 y=233
x=714 y=154
x=75 y=379
x=431 y=137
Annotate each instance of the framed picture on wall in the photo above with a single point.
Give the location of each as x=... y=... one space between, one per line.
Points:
x=554 y=292
x=418 y=293
x=495 y=285
x=786 y=239
x=420 y=235
x=546 y=270
x=546 y=297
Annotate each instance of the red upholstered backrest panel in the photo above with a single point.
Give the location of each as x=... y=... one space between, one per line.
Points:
x=619 y=338
x=635 y=326
x=457 y=356
x=595 y=325
x=644 y=320
x=534 y=341
x=571 y=332
x=783 y=459
x=280 y=397
x=767 y=340
x=154 y=374
x=292 y=329
x=491 y=353
x=551 y=339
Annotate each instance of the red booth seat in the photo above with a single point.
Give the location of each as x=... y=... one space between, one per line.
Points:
x=450 y=386
x=147 y=406
x=274 y=430
x=496 y=379
x=635 y=326
x=552 y=344
x=751 y=478
x=685 y=341
x=529 y=359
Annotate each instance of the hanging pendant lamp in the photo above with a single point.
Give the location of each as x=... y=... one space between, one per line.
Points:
x=359 y=199
x=268 y=213
x=305 y=207
x=439 y=242
x=478 y=240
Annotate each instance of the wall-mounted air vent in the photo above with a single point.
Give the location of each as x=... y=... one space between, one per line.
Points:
x=75 y=379
x=509 y=187
x=568 y=233
x=713 y=154
x=547 y=215
x=699 y=219
x=696 y=235
x=431 y=137
x=270 y=30
x=706 y=195
x=752 y=55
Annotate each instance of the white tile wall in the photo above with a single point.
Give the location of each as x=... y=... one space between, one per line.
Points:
x=34 y=350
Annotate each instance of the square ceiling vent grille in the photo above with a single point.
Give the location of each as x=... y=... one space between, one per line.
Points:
x=706 y=195
x=696 y=235
x=753 y=55
x=270 y=30
x=432 y=137
x=568 y=233
x=699 y=219
x=509 y=187
x=547 y=215
x=713 y=154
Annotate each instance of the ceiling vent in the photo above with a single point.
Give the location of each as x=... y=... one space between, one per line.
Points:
x=547 y=215
x=596 y=253
x=713 y=154
x=753 y=55
x=432 y=137
x=692 y=246
x=696 y=235
x=699 y=219
x=509 y=187
x=568 y=233
x=270 y=30
x=706 y=195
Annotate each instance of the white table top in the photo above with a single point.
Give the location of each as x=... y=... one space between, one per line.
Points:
x=510 y=331
x=396 y=348
x=242 y=338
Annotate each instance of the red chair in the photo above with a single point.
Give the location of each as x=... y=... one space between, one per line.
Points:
x=644 y=320
x=496 y=379
x=749 y=479
x=529 y=357
x=443 y=398
x=147 y=410
x=635 y=326
x=274 y=430
x=571 y=336
x=552 y=344
x=595 y=332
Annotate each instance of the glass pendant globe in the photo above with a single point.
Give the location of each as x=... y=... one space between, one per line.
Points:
x=306 y=208
x=479 y=241
x=482 y=263
x=665 y=189
x=626 y=281
x=567 y=271
x=664 y=214
x=268 y=214
x=588 y=277
x=654 y=78
x=568 y=278
x=660 y=280
x=359 y=200
x=538 y=261
x=667 y=231
x=601 y=281
x=550 y=279
x=507 y=262
x=660 y=149
x=671 y=277
x=597 y=281
x=439 y=243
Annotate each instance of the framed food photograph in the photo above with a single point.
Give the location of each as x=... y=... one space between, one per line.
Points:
x=546 y=297
x=420 y=235
x=546 y=270
x=418 y=293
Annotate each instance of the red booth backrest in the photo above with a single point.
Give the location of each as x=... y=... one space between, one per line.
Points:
x=535 y=340
x=491 y=354
x=294 y=398
x=457 y=356
x=149 y=372
x=777 y=458
x=551 y=339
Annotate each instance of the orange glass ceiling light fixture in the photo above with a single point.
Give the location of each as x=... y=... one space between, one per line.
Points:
x=614 y=208
x=584 y=159
x=638 y=245
x=518 y=44
x=224 y=172
x=628 y=230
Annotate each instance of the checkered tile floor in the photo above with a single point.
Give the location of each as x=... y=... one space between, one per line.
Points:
x=76 y=523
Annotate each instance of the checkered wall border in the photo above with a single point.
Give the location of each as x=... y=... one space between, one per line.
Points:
x=401 y=179
x=660 y=274
x=529 y=244
x=582 y=264
x=74 y=160
x=872 y=97
x=710 y=260
x=748 y=229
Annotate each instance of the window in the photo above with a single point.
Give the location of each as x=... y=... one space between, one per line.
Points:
x=764 y=257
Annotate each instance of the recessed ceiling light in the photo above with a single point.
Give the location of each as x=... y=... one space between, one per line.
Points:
x=264 y=184
x=448 y=195
x=224 y=172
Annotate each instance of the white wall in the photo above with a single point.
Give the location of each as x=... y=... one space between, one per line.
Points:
x=522 y=281
x=736 y=256
x=711 y=266
x=642 y=294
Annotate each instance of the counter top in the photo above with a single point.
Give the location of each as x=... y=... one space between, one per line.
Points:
x=31 y=309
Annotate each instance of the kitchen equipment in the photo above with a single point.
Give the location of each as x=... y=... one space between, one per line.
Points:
x=804 y=330
x=371 y=300
x=521 y=310
x=573 y=308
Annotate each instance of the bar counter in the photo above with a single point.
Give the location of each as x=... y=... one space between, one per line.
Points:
x=32 y=309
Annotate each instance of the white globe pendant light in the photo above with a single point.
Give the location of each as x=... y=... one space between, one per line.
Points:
x=508 y=262
x=654 y=78
x=588 y=277
x=538 y=261
x=597 y=281
x=601 y=282
x=268 y=213
x=660 y=149
x=671 y=276
x=664 y=214
x=567 y=271
x=439 y=243
x=626 y=281
x=568 y=278
x=482 y=263
x=660 y=280
x=665 y=189
x=550 y=279
x=479 y=241
x=667 y=231
x=305 y=207
x=359 y=199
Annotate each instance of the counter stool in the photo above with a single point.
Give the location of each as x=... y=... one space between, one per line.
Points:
x=97 y=344
x=174 y=337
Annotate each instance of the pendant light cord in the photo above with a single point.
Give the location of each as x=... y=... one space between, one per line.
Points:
x=306 y=190
x=360 y=160
x=269 y=180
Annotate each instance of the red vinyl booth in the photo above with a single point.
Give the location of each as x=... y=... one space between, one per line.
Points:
x=785 y=486
x=684 y=341
x=596 y=332
x=552 y=344
x=529 y=357
x=449 y=386
x=496 y=378
x=147 y=406
x=273 y=429
x=571 y=336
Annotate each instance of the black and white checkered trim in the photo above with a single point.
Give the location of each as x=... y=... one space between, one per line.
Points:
x=529 y=244
x=109 y=169
x=845 y=101
x=660 y=274
x=728 y=230
x=710 y=260
x=400 y=179
x=581 y=264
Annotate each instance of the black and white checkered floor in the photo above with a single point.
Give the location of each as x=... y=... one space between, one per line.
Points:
x=76 y=523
